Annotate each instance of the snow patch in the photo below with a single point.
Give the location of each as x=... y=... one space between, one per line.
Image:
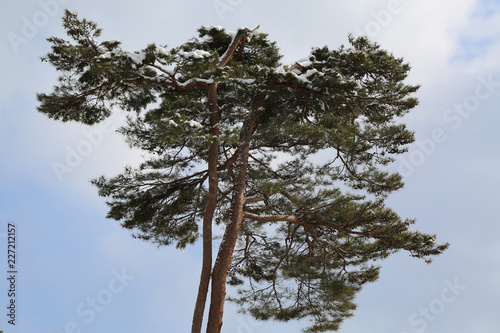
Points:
x=197 y=54
x=136 y=57
x=194 y=123
x=311 y=72
x=304 y=77
x=305 y=62
x=246 y=81
x=106 y=55
x=207 y=81
x=161 y=50
x=216 y=27
x=280 y=70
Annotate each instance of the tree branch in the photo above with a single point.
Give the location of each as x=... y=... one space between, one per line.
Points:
x=240 y=36
x=255 y=199
x=272 y=218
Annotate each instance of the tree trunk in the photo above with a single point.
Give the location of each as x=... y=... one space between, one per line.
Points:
x=209 y=212
x=219 y=274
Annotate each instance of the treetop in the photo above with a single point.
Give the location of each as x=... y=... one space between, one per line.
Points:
x=286 y=153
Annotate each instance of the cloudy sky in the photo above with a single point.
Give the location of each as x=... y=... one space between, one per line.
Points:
x=78 y=272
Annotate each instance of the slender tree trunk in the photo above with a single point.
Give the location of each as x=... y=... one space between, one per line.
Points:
x=238 y=39
x=209 y=212
x=219 y=274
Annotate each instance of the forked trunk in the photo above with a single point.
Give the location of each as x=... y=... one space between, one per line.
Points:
x=219 y=274
x=209 y=212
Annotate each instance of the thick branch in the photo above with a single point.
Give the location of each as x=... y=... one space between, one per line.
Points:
x=272 y=218
x=255 y=199
x=296 y=220
x=240 y=36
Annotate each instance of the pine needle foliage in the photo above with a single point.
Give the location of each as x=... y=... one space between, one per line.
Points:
x=320 y=135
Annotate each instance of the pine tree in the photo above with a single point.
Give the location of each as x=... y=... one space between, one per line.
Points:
x=291 y=161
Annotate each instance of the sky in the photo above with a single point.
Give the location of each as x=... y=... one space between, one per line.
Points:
x=76 y=271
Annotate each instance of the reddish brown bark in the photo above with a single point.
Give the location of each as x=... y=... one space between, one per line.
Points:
x=219 y=274
x=209 y=212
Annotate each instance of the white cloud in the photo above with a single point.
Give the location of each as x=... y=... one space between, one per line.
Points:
x=426 y=34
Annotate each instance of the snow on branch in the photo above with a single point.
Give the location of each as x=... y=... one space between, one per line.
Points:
x=238 y=39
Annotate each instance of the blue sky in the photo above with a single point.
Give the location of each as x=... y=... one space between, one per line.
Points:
x=78 y=272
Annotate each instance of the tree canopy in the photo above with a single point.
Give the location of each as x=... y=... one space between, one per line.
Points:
x=291 y=161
